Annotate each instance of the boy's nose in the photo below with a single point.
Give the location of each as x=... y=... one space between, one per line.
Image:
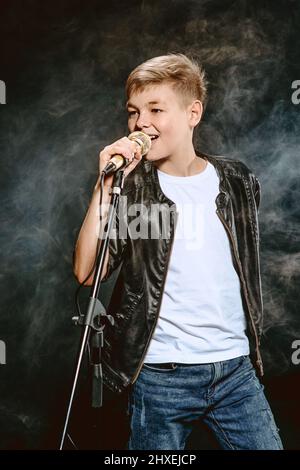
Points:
x=143 y=121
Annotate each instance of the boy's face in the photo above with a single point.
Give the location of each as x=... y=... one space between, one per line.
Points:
x=158 y=111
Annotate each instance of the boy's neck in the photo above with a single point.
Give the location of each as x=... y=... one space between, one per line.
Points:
x=188 y=164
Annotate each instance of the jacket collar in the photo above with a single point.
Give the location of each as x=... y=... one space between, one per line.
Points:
x=216 y=161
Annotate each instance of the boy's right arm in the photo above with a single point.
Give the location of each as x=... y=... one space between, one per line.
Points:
x=86 y=245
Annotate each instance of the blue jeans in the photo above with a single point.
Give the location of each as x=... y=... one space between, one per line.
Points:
x=166 y=400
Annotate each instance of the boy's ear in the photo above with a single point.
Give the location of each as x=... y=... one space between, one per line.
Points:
x=195 y=112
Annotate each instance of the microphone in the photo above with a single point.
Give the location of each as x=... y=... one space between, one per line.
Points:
x=118 y=161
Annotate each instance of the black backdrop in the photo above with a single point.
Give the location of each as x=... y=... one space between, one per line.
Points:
x=64 y=64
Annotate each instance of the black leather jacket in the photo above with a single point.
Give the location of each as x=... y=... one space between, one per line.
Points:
x=137 y=294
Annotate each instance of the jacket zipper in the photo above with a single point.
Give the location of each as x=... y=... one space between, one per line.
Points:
x=157 y=315
x=258 y=355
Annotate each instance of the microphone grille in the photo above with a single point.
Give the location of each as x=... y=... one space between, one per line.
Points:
x=142 y=139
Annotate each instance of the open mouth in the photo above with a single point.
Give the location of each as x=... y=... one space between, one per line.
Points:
x=153 y=138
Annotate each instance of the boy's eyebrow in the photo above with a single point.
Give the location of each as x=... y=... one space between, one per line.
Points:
x=130 y=105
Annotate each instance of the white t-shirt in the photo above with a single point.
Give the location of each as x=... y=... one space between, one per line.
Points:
x=201 y=318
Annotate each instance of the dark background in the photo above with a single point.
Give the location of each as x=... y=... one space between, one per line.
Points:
x=65 y=64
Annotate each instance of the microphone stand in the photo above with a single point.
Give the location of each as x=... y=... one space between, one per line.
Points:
x=94 y=321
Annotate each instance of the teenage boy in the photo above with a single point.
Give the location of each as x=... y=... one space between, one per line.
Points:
x=187 y=303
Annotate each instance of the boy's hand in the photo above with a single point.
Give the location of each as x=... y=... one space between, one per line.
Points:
x=125 y=147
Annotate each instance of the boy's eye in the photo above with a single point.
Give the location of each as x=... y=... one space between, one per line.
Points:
x=131 y=113
x=153 y=110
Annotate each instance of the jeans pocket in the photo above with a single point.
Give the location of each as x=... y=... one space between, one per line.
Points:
x=161 y=368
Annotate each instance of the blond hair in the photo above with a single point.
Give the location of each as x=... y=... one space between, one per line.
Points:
x=185 y=75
